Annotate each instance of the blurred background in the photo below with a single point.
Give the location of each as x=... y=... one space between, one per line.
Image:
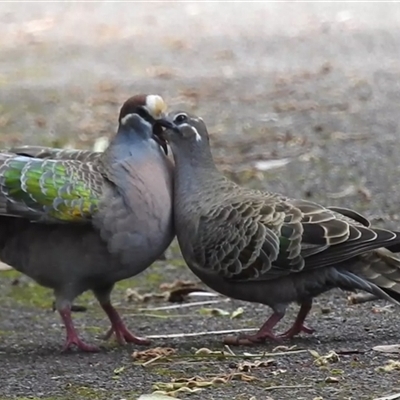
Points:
x=299 y=98
x=314 y=87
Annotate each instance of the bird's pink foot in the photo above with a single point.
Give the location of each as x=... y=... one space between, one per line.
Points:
x=265 y=332
x=299 y=325
x=81 y=345
x=295 y=330
x=72 y=335
x=124 y=336
x=118 y=327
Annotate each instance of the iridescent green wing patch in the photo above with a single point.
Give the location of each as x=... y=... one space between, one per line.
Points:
x=66 y=190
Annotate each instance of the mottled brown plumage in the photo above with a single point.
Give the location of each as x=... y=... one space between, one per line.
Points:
x=268 y=248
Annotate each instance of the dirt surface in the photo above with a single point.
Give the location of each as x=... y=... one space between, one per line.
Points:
x=314 y=87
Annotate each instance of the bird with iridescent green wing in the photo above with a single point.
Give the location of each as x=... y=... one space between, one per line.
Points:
x=84 y=224
x=267 y=248
x=56 y=153
x=53 y=153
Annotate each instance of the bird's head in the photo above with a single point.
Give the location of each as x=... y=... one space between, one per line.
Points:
x=148 y=110
x=187 y=130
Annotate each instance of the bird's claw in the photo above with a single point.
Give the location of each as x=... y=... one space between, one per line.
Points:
x=81 y=345
x=295 y=330
x=123 y=336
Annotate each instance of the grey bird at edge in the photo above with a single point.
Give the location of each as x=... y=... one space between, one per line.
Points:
x=84 y=224
x=267 y=248
x=62 y=154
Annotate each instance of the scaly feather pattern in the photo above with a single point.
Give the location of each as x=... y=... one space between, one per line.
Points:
x=268 y=248
x=248 y=234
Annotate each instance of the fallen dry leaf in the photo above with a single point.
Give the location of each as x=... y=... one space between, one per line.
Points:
x=149 y=354
x=237 y=313
x=389 y=348
x=177 y=284
x=214 y=312
x=391 y=365
x=247 y=366
x=134 y=295
x=173 y=393
x=321 y=360
x=200 y=382
x=332 y=379
x=175 y=292
x=204 y=351
x=279 y=372
x=154 y=396
x=282 y=348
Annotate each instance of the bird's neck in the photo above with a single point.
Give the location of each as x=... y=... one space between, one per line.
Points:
x=124 y=145
x=195 y=169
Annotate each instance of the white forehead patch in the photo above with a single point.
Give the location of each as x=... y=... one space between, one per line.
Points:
x=155 y=105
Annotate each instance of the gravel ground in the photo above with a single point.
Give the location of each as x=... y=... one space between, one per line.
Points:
x=314 y=87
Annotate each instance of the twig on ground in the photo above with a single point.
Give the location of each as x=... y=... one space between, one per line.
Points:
x=175 y=306
x=203 y=333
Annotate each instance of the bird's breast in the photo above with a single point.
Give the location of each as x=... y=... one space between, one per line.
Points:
x=135 y=215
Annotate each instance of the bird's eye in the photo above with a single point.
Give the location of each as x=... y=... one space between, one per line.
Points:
x=180 y=118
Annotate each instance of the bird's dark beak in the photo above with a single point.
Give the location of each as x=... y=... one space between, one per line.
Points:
x=167 y=123
x=158 y=136
x=158 y=131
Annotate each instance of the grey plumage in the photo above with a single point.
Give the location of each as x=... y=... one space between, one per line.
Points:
x=75 y=224
x=53 y=153
x=267 y=248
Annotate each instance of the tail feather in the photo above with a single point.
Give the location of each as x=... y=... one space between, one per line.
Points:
x=347 y=280
x=381 y=268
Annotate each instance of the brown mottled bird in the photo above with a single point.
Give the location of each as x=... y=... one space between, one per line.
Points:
x=77 y=224
x=267 y=248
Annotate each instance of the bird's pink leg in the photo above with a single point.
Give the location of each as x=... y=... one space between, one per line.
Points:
x=122 y=333
x=72 y=334
x=298 y=325
x=265 y=332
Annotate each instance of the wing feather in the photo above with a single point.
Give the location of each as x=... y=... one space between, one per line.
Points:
x=49 y=190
